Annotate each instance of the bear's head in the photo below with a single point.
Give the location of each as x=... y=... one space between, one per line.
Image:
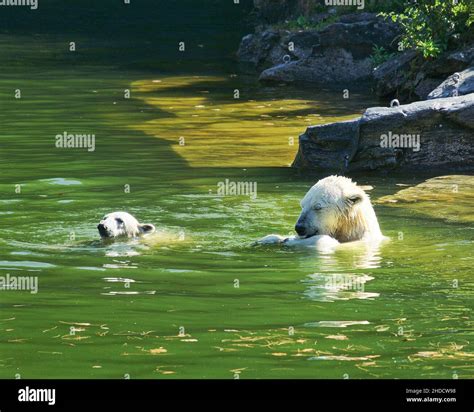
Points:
x=119 y=224
x=337 y=207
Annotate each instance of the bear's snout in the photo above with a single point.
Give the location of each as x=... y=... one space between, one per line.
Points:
x=102 y=229
x=300 y=229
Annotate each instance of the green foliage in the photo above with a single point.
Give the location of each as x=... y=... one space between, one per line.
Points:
x=326 y=22
x=380 y=55
x=431 y=25
x=301 y=23
x=304 y=23
x=470 y=19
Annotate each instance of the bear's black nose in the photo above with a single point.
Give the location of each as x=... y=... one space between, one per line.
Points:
x=300 y=229
x=102 y=229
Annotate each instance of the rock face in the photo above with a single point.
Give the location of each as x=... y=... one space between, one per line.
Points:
x=255 y=49
x=435 y=133
x=336 y=65
x=338 y=53
x=358 y=33
x=271 y=47
x=330 y=146
x=458 y=84
x=393 y=74
x=451 y=62
x=409 y=77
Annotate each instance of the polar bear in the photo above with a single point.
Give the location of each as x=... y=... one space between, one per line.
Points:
x=122 y=224
x=334 y=211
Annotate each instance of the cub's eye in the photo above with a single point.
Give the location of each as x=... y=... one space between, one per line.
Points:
x=317 y=207
x=118 y=220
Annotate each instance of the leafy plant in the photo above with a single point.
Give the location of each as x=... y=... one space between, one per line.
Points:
x=304 y=23
x=300 y=23
x=431 y=25
x=470 y=19
x=380 y=55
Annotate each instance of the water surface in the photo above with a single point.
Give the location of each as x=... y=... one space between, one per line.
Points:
x=197 y=300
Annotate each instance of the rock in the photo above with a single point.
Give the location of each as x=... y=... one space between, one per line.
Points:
x=359 y=34
x=330 y=147
x=271 y=47
x=428 y=134
x=336 y=65
x=393 y=74
x=449 y=63
x=433 y=72
x=457 y=84
x=444 y=197
x=358 y=17
x=339 y=53
x=425 y=87
x=409 y=77
x=255 y=48
x=304 y=41
x=444 y=127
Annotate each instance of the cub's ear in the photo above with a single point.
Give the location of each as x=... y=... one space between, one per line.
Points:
x=146 y=228
x=354 y=199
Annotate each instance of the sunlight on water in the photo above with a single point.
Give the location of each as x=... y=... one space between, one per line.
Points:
x=217 y=129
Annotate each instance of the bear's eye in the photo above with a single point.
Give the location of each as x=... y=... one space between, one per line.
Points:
x=118 y=220
x=318 y=207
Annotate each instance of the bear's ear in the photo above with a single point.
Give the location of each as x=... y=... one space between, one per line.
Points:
x=147 y=228
x=354 y=199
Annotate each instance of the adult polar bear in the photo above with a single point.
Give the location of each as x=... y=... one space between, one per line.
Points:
x=334 y=211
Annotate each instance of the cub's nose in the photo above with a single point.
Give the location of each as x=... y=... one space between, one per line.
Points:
x=100 y=226
x=300 y=229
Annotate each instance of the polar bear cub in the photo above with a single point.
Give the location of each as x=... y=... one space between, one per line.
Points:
x=335 y=210
x=122 y=224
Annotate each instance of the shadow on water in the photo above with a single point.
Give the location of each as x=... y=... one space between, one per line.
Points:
x=141 y=35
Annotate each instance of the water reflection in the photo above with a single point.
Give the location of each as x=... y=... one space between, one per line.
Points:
x=356 y=255
x=334 y=281
x=323 y=287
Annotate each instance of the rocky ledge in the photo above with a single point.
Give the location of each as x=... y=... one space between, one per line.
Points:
x=437 y=133
x=449 y=198
x=339 y=52
x=408 y=77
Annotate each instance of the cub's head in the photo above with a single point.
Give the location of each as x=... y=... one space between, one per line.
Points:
x=337 y=207
x=118 y=224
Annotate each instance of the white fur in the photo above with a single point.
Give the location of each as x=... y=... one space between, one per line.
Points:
x=322 y=243
x=122 y=224
x=335 y=210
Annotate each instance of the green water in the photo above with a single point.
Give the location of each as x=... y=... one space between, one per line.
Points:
x=198 y=301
